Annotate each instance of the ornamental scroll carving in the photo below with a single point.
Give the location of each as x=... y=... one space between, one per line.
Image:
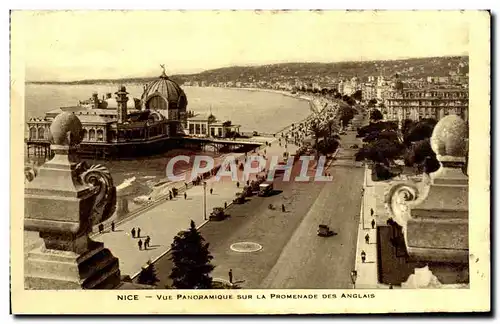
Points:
x=30 y=173
x=99 y=177
x=399 y=199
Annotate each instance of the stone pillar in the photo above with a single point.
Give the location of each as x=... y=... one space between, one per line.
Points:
x=62 y=203
x=435 y=218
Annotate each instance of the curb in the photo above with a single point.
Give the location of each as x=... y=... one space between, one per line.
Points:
x=165 y=252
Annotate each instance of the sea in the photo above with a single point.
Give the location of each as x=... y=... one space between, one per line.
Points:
x=261 y=111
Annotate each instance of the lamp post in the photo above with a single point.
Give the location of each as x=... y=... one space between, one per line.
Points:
x=204 y=200
x=354 y=276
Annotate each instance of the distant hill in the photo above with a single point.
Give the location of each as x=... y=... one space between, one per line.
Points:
x=308 y=72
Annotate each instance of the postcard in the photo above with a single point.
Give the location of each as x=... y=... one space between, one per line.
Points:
x=250 y=162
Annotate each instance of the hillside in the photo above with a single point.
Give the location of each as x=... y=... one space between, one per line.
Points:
x=309 y=72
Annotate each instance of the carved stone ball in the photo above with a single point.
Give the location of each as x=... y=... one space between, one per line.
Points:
x=449 y=137
x=66 y=129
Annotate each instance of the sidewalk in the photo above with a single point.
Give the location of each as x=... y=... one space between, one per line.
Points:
x=372 y=201
x=165 y=219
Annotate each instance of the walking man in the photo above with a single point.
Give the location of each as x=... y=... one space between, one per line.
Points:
x=140 y=244
x=146 y=242
x=373 y=224
x=231 y=276
x=363 y=256
x=185 y=196
x=367 y=238
x=138 y=232
x=371 y=211
x=101 y=228
x=237 y=184
x=211 y=190
x=112 y=226
x=133 y=232
x=283 y=207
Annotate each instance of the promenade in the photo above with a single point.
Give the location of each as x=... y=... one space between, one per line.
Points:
x=163 y=221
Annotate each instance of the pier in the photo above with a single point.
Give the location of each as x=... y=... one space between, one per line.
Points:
x=41 y=148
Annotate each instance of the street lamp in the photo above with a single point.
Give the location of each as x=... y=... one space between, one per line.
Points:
x=354 y=276
x=204 y=200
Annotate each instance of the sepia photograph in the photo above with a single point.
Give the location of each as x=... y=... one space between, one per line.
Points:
x=250 y=161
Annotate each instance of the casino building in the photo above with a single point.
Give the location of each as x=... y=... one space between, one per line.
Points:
x=124 y=126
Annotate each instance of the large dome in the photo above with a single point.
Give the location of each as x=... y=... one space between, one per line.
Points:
x=167 y=89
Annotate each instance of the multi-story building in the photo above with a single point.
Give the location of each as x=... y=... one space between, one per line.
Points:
x=368 y=91
x=432 y=102
x=381 y=89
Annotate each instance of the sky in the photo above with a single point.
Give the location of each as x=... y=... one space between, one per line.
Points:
x=76 y=45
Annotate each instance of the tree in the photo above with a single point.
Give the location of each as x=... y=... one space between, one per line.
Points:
x=346 y=114
x=376 y=115
x=148 y=275
x=390 y=135
x=191 y=260
x=419 y=131
x=318 y=132
x=372 y=102
x=380 y=151
x=377 y=127
x=357 y=95
x=421 y=155
x=227 y=123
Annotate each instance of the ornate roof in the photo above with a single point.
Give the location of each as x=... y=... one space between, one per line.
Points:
x=166 y=88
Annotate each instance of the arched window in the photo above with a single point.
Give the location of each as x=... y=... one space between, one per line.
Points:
x=32 y=133
x=41 y=133
x=100 y=135
x=92 y=135
x=85 y=134
x=156 y=102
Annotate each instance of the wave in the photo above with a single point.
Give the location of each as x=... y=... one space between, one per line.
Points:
x=126 y=183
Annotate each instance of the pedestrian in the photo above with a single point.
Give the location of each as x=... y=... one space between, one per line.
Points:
x=211 y=190
x=112 y=226
x=367 y=238
x=185 y=196
x=237 y=184
x=101 y=228
x=371 y=211
x=146 y=242
x=390 y=287
x=373 y=224
x=133 y=232
x=283 y=207
x=185 y=184
x=138 y=232
x=225 y=204
x=363 y=256
x=140 y=244
x=231 y=276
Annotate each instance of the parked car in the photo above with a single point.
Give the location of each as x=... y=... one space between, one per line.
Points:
x=265 y=189
x=217 y=214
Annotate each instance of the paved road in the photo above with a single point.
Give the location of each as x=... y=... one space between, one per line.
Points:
x=309 y=261
x=291 y=248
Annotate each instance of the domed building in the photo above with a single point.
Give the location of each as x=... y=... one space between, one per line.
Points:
x=123 y=125
x=166 y=97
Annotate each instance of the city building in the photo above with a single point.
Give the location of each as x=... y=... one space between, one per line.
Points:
x=209 y=126
x=124 y=126
x=431 y=102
